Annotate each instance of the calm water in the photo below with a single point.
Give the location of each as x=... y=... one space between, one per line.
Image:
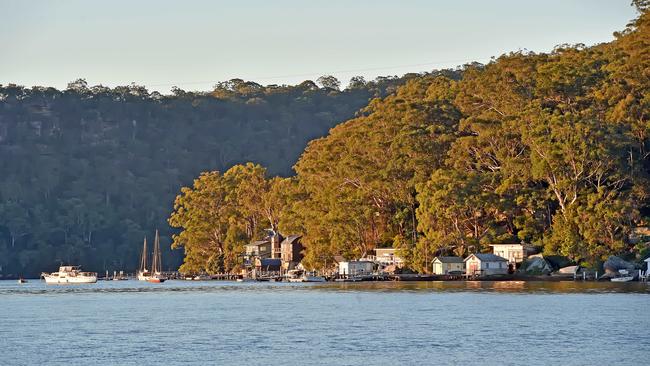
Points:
x=226 y=323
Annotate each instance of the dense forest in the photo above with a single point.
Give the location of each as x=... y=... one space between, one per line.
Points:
x=87 y=172
x=544 y=148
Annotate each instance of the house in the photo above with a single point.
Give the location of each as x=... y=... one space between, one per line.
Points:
x=387 y=257
x=259 y=249
x=355 y=268
x=275 y=238
x=482 y=264
x=514 y=253
x=445 y=265
x=269 y=247
x=291 y=252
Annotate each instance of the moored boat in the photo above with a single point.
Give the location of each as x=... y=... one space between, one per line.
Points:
x=313 y=278
x=623 y=276
x=22 y=280
x=246 y=280
x=157 y=278
x=301 y=276
x=71 y=275
x=156 y=263
x=143 y=273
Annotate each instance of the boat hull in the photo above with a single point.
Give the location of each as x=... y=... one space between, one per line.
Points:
x=314 y=279
x=156 y=280
x=70 y=280
x=622 y=279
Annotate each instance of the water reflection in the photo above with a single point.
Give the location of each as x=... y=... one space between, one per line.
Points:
x=35 y=287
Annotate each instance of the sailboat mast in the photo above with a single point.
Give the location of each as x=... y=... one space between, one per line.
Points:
x=157 y=259
x=143 y=259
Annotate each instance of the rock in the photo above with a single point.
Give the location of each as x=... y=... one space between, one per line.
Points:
x=569 y=270
x=558 y=261
x=536 y=264
x=613 y=264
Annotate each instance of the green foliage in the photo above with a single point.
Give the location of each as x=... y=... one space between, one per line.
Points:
x=544 y=148
x=87 y=172
x=219 y=214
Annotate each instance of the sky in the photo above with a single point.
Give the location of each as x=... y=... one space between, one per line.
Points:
x=195 y=44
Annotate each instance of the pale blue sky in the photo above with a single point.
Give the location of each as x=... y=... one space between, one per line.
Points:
x=194 y=44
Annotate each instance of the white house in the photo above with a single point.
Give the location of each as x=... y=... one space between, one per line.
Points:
x=514 y=253
x=485 y=264
x=355 y=268
x=444 y=265
x=387 y=256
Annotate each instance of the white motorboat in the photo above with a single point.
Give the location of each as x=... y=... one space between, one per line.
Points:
x=623 y=276
x=246 y=280
x=69 y=274
x=312 y=278
x=202 y=277
x=300 y=276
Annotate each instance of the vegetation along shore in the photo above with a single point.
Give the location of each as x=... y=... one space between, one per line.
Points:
x=545 y=149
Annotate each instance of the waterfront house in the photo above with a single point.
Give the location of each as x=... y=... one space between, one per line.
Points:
x=275 y=238
x=355 y=268
x=483 y=264
x=514 y=253
x=269 y=247
x=387 y=257
x=291 y=252
x=447 y=265
x=259 y=249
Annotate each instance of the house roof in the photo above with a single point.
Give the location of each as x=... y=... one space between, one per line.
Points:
x=487 y=257
x=270 y=262
x=449 y=259
x=291 y=239
x=258 y=243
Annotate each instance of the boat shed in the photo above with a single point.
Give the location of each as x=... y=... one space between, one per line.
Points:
x=355 y=268
x=483 y=264
x=447 y=265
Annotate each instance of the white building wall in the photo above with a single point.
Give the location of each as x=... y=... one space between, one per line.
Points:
x=354 y=268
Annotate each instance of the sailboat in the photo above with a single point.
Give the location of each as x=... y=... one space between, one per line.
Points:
x=156 y=265
x=143 y=272
x=155 y=274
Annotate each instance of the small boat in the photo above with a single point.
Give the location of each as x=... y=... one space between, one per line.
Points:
x=119 y=277
x=246 y=280
x=69 y=274
x=157 y=278
x=202 y=277
x=623 y=276
x=22 y=280
x=300 y=276
x=313 y=278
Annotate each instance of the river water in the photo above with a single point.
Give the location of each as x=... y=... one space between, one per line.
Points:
x=389 y=323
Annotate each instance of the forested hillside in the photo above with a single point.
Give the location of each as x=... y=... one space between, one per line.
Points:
x=87 y=172
x=549 y=149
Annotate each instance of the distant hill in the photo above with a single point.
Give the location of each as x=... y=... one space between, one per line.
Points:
x=88 y=171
